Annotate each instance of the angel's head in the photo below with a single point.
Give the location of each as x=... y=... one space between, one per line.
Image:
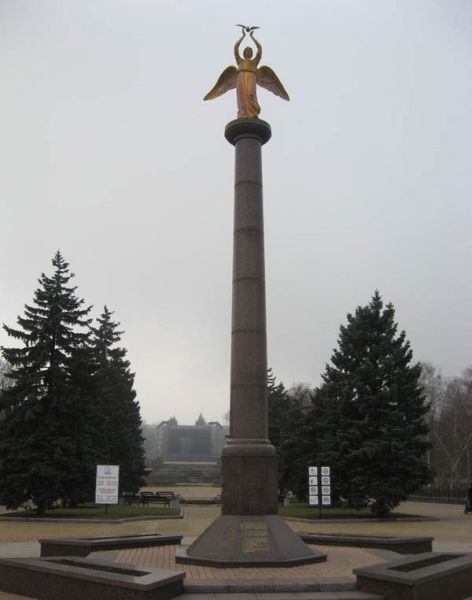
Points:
x=247 y=52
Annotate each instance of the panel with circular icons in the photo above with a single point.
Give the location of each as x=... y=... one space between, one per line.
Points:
x=319 y=480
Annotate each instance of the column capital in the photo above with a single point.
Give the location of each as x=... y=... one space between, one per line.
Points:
x=248 y=128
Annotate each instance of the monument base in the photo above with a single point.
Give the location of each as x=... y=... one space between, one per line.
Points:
x=249 y=541
x=249 y=478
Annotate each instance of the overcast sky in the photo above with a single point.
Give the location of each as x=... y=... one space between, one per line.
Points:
x=108 y=153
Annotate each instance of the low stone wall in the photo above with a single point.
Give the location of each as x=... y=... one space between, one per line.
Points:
x=427 y=576
x=402 y=545
x=79 y=578
x=85 y=546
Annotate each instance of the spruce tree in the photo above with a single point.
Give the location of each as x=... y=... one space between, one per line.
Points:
x=121 y=440
x=290 y=432
x=79 y=484
x=372 y=412
x=277 y=405
x=38 y=437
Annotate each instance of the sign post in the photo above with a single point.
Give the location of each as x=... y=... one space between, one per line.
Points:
x=106 y=485
x=319 y=487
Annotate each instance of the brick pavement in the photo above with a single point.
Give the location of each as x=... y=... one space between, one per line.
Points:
x=340 y=563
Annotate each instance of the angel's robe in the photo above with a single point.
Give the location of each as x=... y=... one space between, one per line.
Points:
x=246 y=84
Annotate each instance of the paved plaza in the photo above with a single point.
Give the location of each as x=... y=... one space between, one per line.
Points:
x=451 y=529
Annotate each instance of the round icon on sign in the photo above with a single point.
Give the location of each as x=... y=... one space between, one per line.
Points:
x=326 y=500
x=326 y=481
x=314 y=500
x=312 y=470
x=325 y=470
x=313 y=490
x=326 y=490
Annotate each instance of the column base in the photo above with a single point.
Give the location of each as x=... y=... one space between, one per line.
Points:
x=249 y=478
x=249 y=541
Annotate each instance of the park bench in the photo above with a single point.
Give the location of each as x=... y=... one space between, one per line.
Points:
x=166 y=494
x=128 y=498
x=154 y=498
x=146 y=498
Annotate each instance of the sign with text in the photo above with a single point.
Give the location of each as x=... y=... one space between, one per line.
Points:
x=319 y=482
x=106 y=486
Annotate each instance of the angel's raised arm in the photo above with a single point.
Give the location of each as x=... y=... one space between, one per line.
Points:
x=258 y=56
x=236 y=48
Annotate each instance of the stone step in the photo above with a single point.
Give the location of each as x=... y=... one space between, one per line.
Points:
x=269 y=586
x=342 y=595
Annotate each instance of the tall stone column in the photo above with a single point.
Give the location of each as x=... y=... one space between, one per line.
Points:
x=249 y=461
x=249 y=532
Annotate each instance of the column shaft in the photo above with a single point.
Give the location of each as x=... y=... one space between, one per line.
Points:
x=249 y=462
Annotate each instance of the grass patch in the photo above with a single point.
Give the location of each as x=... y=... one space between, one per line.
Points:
x=305 y=511
x=94 y=511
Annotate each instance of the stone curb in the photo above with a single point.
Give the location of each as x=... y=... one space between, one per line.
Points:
x=412 y=519
x=346 y=595
x=105 y=521
x=307 y=584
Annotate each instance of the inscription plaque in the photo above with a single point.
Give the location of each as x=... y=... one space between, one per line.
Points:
x=254 y=536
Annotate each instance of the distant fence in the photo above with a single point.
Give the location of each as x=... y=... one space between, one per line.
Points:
x=454 y=495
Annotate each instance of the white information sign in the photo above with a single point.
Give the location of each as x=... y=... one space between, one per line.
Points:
x=313 y=471
x=314 y=500
x=106 y=487
x=325 y=470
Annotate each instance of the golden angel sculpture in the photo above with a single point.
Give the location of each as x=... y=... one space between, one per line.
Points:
x=246 y=77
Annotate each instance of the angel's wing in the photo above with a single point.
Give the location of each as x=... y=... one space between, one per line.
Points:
x=267 y=79
x=226 y=82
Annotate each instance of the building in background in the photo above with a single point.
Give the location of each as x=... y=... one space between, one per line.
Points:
x=184 y=453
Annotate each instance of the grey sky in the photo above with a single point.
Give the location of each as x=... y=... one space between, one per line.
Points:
x=108 y=153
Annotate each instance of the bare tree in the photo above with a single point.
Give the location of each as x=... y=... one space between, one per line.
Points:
x=5 y=380
x=450 y=421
